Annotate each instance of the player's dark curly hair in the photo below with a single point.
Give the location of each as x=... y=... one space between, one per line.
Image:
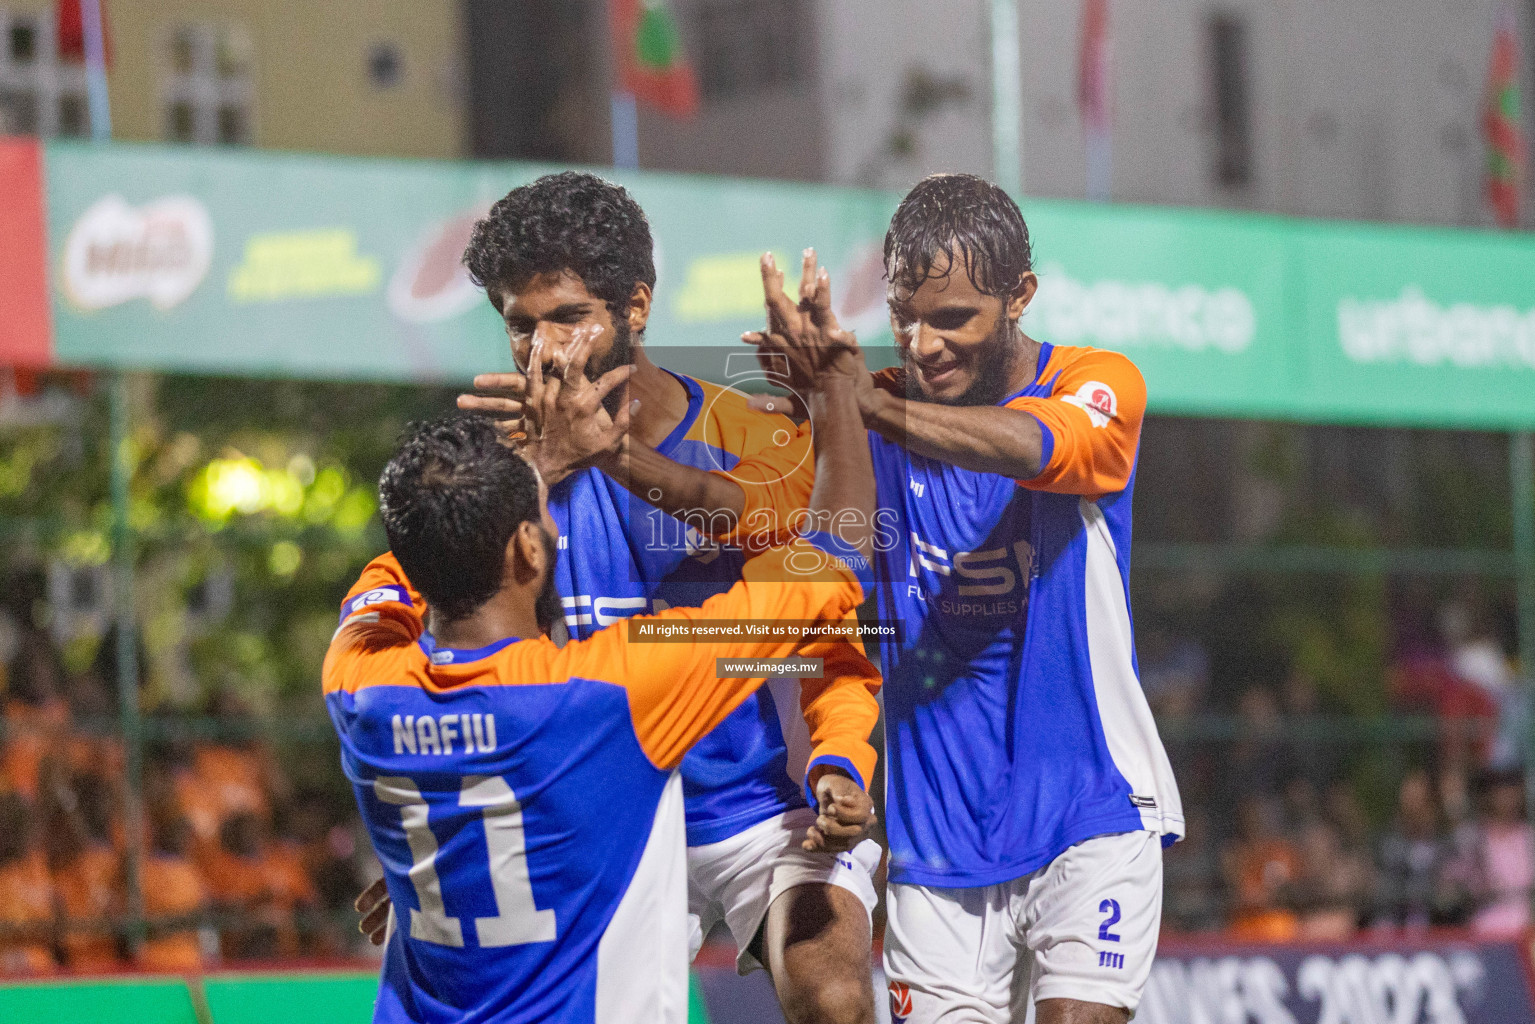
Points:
x=567 y=221
x=954 y=215
x=451 y=499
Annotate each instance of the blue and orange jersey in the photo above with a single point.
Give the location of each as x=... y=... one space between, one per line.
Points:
x=523 y=798
x=1015 y=723
x=619 y=556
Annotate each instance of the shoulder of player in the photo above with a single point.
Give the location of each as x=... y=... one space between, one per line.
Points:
x=891 y=379
x=1073 y=368
x=366 y=654
x=370 y=650
x=726 y=418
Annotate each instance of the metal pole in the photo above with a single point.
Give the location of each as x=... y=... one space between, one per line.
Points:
x=1521 y=472
x=96 y=70
x=626 y=130
x=127 y=651
x=1006 y=97
x=122 y=530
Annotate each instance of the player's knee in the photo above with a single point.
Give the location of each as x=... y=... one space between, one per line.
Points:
x=1076 y=1011
x=840 y=1000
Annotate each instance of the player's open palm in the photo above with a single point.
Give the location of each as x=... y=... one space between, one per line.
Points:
x=806 y=336
x=567 y=426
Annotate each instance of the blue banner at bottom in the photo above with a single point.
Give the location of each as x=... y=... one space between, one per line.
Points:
x=1430 y=980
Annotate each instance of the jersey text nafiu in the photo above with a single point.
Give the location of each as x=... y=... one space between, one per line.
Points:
x=1015 y=723
x=524 y=802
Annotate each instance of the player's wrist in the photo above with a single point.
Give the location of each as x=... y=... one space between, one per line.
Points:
x=875 y=406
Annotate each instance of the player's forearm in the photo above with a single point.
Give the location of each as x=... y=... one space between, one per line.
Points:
x=980 y=438
x=842 y=500
x=685 y=492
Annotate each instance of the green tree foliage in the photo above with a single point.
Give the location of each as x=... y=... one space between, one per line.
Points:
x=253 y=505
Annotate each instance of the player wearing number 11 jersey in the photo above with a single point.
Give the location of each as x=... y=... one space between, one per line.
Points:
x=523 y=798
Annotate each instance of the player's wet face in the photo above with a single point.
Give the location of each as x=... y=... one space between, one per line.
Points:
x=546 y=312
x=959 y=345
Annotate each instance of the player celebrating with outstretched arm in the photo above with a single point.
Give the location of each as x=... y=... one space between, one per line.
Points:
x=1028 y=795
x=524 y=798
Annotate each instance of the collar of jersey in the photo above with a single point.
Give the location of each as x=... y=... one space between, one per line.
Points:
x=458 y=655
x=1036 y=386
x=695 y=404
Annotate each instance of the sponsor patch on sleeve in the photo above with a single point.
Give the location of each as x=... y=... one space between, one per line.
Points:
x=1097 y=400
x=372 y=597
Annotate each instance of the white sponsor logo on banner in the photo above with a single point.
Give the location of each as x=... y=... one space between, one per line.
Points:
x=116 y=252
x=1414 y=329
x=1141 y=314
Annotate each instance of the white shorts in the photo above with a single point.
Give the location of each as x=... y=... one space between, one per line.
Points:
x=1082 y=927
x=737 y=879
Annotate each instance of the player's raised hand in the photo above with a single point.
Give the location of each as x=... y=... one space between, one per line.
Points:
x=506 y=407
x=567 y=427
x=844 y=815
x=374 y=906
x=805 y=335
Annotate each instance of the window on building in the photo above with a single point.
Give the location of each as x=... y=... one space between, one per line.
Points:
x=209 y=94
x=40 y=93
x=744 y=45
x=385 y=66
x=1232 y=100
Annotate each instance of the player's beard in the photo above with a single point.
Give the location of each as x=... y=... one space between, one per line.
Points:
x=994 y=364
x=620 y=353
x=546 y=608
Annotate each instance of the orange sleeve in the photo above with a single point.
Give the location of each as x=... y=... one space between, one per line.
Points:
x=777 y=480
x=381 y=610
x=675 y=696
x=840 y=709
x=1091 y=423
x=382 y=578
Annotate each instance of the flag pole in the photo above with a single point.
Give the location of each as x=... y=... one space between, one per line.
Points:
x=626 y=130
x=96 y=70
x=1006 y=97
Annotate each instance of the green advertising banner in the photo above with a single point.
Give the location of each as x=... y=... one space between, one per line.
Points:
x=273 y=264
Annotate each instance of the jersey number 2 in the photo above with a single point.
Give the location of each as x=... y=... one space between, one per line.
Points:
x=1111 y=908
x=518 y=920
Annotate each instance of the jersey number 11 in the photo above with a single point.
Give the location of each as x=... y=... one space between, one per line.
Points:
x=518 y=921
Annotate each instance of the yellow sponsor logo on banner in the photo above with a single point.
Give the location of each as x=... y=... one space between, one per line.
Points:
x=728 y=285
x=303 y=265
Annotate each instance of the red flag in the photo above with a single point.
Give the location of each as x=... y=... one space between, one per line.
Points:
x=651 y=64
x=71 y=31
x=1094 y=60
x=1506 y=153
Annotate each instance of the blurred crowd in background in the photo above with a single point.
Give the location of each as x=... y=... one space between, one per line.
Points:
x=240 y=863
x=1282 y=840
